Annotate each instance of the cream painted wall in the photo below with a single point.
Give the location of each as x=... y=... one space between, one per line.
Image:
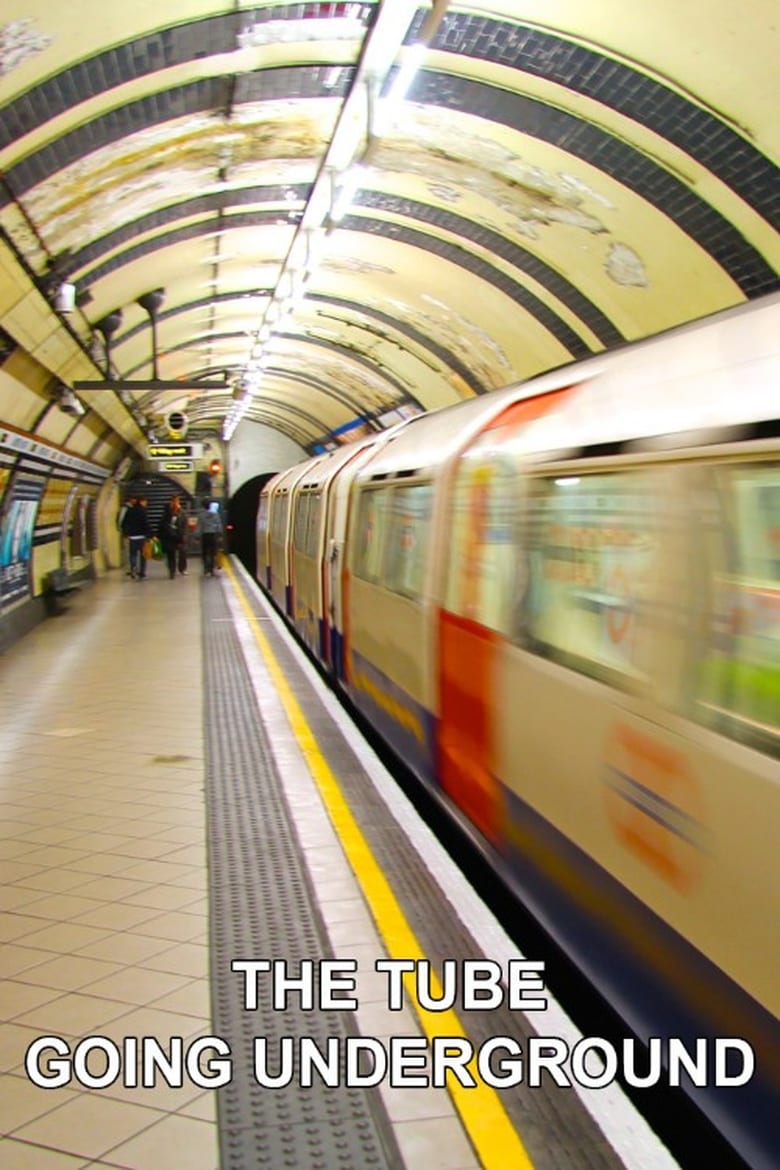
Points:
x=256 y=449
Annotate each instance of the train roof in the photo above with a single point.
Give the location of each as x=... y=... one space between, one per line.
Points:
x=285 y=480
x=695 y=386
x=429 y=440
x=704 y=376
x=329 y=464
x=701 y=377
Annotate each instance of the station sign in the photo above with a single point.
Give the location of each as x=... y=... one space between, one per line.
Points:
x=171 y=451
x=179 y=465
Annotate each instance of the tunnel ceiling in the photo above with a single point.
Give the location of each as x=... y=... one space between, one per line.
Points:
x=559 y=178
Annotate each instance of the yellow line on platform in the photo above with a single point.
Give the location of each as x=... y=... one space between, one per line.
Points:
x=482 y=1114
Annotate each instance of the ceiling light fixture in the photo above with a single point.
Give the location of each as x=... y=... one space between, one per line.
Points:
x=331 y=78
x=339 y=176
x=107 y=327
x=151 y=302
x=351 y=183
x=387 y=109
x=329 y=28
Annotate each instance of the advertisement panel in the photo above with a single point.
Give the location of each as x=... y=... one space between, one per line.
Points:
x=17 y=525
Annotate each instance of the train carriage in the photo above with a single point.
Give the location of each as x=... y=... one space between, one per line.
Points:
x=316 y=533
x=319 y=510
x=560 y=605
x=279 y=492
x=612 y=590
x=387 y=579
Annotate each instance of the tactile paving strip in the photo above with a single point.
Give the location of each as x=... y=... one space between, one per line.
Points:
x=555 y=1127
x=262 y=907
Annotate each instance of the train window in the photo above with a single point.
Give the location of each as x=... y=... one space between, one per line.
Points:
x=737 y=526
x=481 y=573
x=312 y=533
x=592 y=547
x=371 y=523
x=407 y=540
x=279 y=518
x=262 y=516
x=302 y=508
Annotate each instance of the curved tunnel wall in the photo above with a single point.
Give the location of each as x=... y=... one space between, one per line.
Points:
x=60 y=488
x=553 y=190
x=59 y=494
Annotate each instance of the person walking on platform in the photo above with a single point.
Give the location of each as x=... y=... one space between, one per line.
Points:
x=135 y=526
x=173 y=534
x=181 y=552
x=120 y=523
x=210 y=530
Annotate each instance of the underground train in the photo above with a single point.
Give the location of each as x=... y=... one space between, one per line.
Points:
x=559 y=604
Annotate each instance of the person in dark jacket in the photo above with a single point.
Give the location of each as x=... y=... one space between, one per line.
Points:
x=187 y=524
x=210 y=531
x=135 y=526
x=120 y=523
x=173 y=535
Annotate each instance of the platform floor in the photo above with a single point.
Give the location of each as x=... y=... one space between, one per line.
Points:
x=177 y=792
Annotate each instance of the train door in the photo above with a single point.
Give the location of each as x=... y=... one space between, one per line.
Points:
x=280 y=505
x=333 y=573
x=302 y=531
x=600 y=649
x=638 y=693
x=280 y=534
x=479 y=595
x=331 y=590
x=263 y=567
x=709 y=648
x=467 y=640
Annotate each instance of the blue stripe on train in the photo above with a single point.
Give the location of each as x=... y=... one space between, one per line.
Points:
x=659 y=983
x=337 y=653
x=406 y=725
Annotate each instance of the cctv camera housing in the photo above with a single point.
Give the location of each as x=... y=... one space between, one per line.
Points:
x=70 y=404
x=65 y=299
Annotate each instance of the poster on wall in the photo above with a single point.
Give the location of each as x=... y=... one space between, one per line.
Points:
x=17 y=526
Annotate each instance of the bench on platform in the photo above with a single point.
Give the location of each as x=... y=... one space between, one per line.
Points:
x=58 y=585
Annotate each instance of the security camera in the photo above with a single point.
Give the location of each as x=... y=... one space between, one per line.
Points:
x=70 y=403
x=65 y=298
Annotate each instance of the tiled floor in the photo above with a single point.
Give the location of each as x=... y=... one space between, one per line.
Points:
x=103 y=884
x=103 y=872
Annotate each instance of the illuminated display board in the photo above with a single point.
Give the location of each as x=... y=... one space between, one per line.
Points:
x=170 y=451
x=179 y=465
